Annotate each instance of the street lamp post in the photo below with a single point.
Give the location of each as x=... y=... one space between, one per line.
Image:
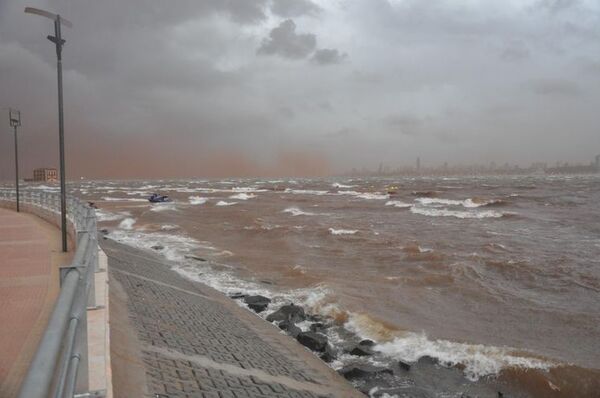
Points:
x=14 y=118
x=58 y=41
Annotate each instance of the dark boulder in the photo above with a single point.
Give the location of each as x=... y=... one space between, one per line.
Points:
x=292 y=313
x=360 y=371
x=290 y=328
x=367 y=342
x=427 y=360
x=157 y=247
x=316 y=318
x=257 y=303
x=329 y=355
x=237 y=295
x=361 y=351
x=314 y=341
x=104 y=231
x=404 y=366
x=318 y=327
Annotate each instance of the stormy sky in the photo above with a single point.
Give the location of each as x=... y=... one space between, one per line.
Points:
x=189 y=88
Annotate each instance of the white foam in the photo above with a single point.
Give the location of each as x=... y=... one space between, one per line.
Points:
x=435 y=201
x=175 y=246
x=169 y=227
x=333 y=231
x=166 y=206
x=223 y=203
x=127 y=224
x=373 y=196
x=197 y=200
x=294 y=211
x=437 y=212
x=338 y=185
x=398 y=203
x=103 y=215
x=243 y=196
x=366 y=195
x=305 y=191
x=247 y=189
x=110 y=199
x=479 y=360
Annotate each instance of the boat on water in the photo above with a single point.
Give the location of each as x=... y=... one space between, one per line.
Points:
x=156 y=198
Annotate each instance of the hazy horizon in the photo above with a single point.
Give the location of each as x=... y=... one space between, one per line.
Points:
x=301 y=87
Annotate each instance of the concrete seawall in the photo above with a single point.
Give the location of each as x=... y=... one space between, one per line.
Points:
x=171 y=337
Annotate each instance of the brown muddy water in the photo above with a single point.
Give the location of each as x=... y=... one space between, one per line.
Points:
x=498 y=277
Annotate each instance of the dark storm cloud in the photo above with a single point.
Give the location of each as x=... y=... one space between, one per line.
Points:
x=150 y=82
x=294 y=8
x=284 y=41
x=328 y=56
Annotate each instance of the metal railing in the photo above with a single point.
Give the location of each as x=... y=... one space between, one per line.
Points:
x=59 y=368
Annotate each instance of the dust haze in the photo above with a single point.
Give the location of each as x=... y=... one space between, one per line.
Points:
x=300 y=87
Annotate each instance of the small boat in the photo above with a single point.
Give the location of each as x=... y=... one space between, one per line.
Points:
x=156 y=198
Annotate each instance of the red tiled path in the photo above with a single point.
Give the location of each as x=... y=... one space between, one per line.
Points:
x=29 y=261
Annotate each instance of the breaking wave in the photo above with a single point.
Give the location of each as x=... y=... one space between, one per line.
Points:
x=197 y=200
x=334 y=231
x=110 y=199
x=127 y=224
x=294 y=211
x=223 y=203
x=478 y=360
x=437 y=212
x=243 y=196
x=398 y=203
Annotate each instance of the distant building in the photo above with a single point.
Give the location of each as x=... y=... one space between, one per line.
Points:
x=45 y=175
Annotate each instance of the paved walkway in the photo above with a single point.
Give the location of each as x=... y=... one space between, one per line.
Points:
x=29 y=261
x=171 y=337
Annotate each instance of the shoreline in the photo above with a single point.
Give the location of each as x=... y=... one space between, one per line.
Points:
x=192 y=339
x=379 y=378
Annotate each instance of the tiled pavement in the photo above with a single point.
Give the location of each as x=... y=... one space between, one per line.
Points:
x=195 y=342
x=29 y=263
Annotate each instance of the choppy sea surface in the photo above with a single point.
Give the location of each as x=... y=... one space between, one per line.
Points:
x=496 y=276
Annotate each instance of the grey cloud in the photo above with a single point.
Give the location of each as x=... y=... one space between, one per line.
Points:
x=556 y=6
x=284 y=41
x=327 y=56
x=554 y=88
x=294 y=8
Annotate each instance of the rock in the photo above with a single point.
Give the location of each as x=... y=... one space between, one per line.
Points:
x=257 y=303
x=266 y=282
x=367 y=342
x=352 y=372
x=292 y=313
x=329 y=355
x=361 y=351
x=157 y=247
x=192 y=257
x=314 y=341
x=315 y=318
x=104 y=231
x=426 y=359
x=318 y=327
x=238 y=295
x=290 y=328
x=404 y=366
